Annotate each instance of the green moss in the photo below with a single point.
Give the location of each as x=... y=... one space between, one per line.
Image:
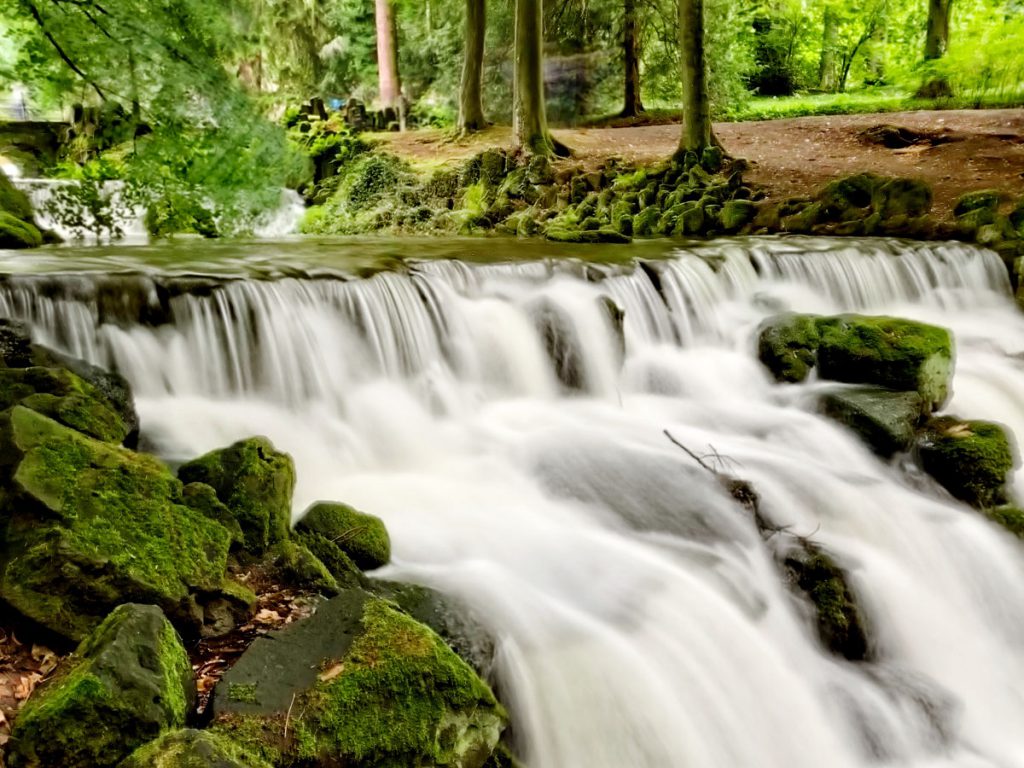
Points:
x=255 y=482
x=1010 y=517
x=15 y=233
x=126 y=683
x=13 y=201
x=245 y=694
x=300 y=566
x=838 y=620
x=788 y=345
x=93 y=525
x=193 y=749
x=362 y=537
x=902 y=197
x=403 y=698
x=891 y=352
x=986 y=199
x=970 y=459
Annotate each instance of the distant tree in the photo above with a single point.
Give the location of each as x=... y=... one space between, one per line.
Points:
x=529 y=112
x=390 y=88
x=471 y=105
x=631 y=61
x=827 y=70
x=936 y=43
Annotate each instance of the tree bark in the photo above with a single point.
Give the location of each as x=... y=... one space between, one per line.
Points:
x=937 y=39
x=471 y=105
x=529 y=114
x=387 y=55
x=696 y=106
x=829 y=42
x=631 y=62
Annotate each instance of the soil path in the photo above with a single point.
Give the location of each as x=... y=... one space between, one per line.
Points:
x=955 y=151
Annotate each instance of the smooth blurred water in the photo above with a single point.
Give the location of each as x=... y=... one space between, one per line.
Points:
x=642 y=620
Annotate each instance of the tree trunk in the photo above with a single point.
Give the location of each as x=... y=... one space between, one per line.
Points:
x=631 y=61
x=829 y=42
x=529 y=115
x=696 y=107
x=387 y=55
x=937 y=40
x=471 y=105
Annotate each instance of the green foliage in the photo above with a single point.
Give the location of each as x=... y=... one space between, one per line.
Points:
x=88 y=203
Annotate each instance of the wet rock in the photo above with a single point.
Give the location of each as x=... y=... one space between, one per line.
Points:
x=374 y=686
x=91 y=525
x=885 y=420
x=890 y=352
x=1010 y=516
x=362 y=537
x=192 y=749
x=253 y=480
x=839 y=621
x=127 y=682
x=970 y=459
x=984 y=200
x=736 y=214
x=788 y=346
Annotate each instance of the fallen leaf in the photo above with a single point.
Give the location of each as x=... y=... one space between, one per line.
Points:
x=331 y=672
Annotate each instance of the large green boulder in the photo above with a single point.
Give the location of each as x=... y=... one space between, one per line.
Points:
x=362 y=537
x=17 y=224
x=889 y=352
x=253 y=480
x=189 y=748
x=970 y=459
x=127 y=682
x=886 y=420
x=788 y=346
x=375 y=689
x=91 y=525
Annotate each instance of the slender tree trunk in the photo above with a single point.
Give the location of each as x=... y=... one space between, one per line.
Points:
x=471 y=104
x=631 y=61
x=829 y=42
x=529 y=115
x=696 y=106
x=387 y=55
x=937 y=39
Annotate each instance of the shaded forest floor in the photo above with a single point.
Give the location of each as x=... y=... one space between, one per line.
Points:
x=955 y=151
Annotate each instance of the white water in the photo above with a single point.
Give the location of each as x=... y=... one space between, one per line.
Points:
x=642 y=621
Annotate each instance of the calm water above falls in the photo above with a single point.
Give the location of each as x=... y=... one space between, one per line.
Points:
x=642 y=620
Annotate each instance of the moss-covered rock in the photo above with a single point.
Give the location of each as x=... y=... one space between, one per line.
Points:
x=890 y=352
x=1010 y=516
x=374 y=686
x=91 y=525
x=736 y=214
x=788 y=346
x=127 y=682
x=970 y=459
x=64 y=397
x=885 y=420
x=254 y=481
x=15 y=233
x=839 y=620
x=902 y=197
x=361 y=536
x=983 y=200
x=189 y=748
x=299 y=565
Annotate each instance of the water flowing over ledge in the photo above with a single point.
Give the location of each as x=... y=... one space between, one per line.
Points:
x=511 y=437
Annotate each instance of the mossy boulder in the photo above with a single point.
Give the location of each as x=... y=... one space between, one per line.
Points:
x=64 y=397
x=374 y=688
x=16 y=234
x=1009 y=516
x=91 y=525
x=890 y=352
x=839 y=621
x=909 y=198
x=362 y=537
x=970 y=459
x=736 y=214
x=189 y=748
x=983 y=200
x=885 y=420
x=127 y=682
x=300 y=566
x=788 y=346
x=13 y=200
x=253 y=480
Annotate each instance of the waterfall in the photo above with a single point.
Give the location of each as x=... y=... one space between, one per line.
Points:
x=506 y=422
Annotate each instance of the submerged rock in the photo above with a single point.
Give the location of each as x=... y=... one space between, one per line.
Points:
x=885 y=420
x=127 y=682
x=192 y=749
x=374 y=688
x=361 y=537
x=837 y=617
x=255 y=482
x=90 y=525
x=970 y=459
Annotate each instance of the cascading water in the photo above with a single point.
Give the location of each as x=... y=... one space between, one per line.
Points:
x=641 y=618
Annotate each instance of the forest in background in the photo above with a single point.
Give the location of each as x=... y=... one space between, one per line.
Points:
x=198 y=94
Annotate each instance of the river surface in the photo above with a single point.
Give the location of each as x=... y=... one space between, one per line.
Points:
x=642 y=621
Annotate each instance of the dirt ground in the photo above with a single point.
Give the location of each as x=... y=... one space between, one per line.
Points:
x=955 y=151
